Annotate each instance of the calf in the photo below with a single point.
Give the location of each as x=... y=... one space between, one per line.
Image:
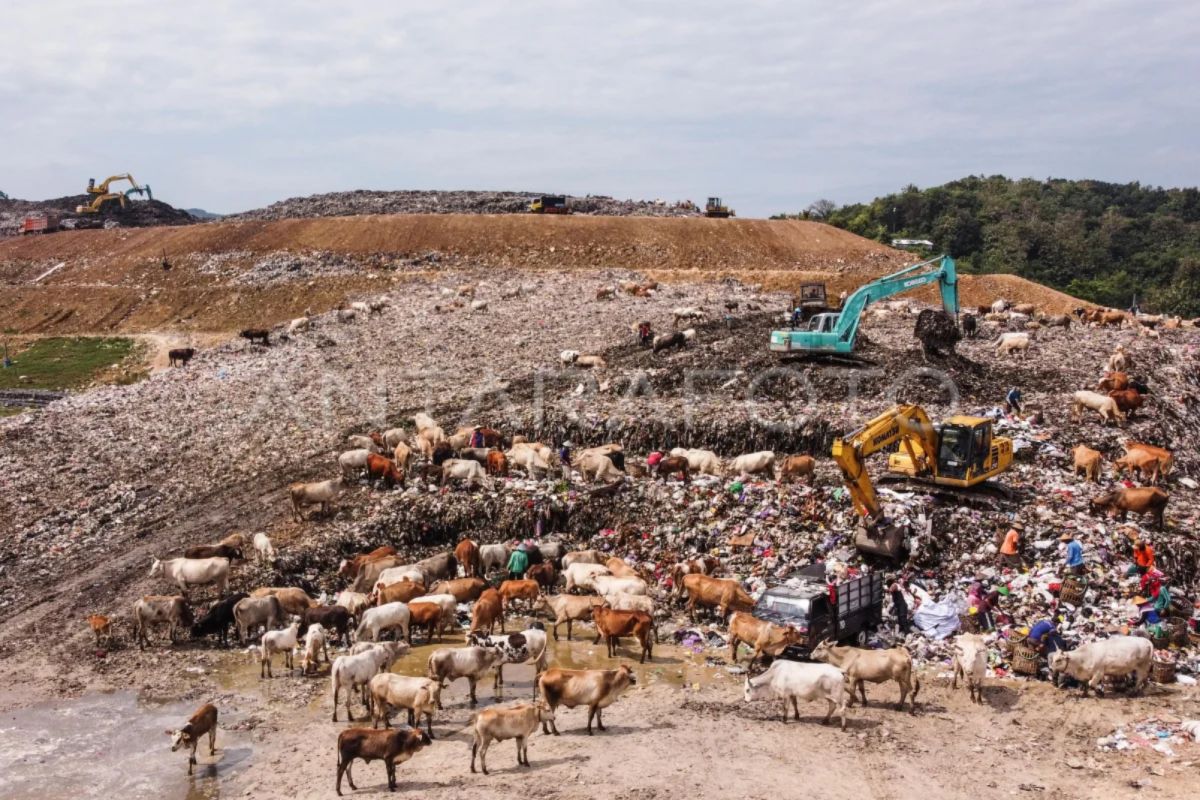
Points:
x=612 y=625
x=383 y=469
x=202 y=722
x=970 y=662
x=284 y=641
x=672 y=465
x=512 y=722
x=101 y=628
x=315 y=643
x=497 y=463
x=792 y=682
x=259 y=335
x=1089 y=461
x=876 y=666
x=354 y=671
x=263 y=547
x=766 y=638
x=595 y=688
x=393 y=746
x=335 y=619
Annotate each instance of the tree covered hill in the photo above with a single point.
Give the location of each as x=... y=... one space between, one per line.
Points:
x=1102 y=242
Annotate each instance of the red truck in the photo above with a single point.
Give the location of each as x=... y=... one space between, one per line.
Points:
x=39 y=223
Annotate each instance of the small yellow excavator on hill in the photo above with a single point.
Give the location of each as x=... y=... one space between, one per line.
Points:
x=960 y=453
x=102 y=195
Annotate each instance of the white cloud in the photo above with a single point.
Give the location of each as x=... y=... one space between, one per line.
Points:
x=232 y=104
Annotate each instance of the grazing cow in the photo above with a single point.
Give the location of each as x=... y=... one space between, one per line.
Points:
x=353 y=463
x=1012 y=343
x=509 y=722
x=350 y=567
x=510 y=591
x=970 y=662
x=605 y=293
x=760 y=463
x=1103 y=405
x=723 y=595
x=156 y=610
x=612 y=625
x=794 y=467
x=620 y=568
x=250 y=612
x=488 y=609
x=185 y=572
x=443 y=566
x=705 y=565
x=472 y=663
x=1143 y=500
x=596 y=467
x=792 y=682
x=1057 y=321
x=380 y=468
x=667 y=341
x=259 y=335
x=354 y=602
x=101 y=628
x=566 y=608
x=292 y=599
x=216 y=620
x=1128 y=400
x=591 y=361
x=701 y=462
x=1115 y=656
x=1165 y=458
x=595 y=688
x=1088 y=460
x=362 y=441
x=1144 y=463
x=686 y=313
x=392 y=746
x=180 y=356
x=386 y=570
x=404 y=591
x=673 y=465
x=204 y=721
x=469 y=471
x=876 y=666
x=766 y=638
x=321 y=493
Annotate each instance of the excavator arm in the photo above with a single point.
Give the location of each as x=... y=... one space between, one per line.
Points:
x=102 y=188
x=905 y=423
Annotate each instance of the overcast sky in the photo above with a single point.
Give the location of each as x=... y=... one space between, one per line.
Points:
x=232 y=105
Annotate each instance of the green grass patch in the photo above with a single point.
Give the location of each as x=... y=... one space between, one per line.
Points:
x=64 y=362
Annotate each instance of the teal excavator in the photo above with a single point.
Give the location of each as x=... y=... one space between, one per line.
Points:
x=834 y=333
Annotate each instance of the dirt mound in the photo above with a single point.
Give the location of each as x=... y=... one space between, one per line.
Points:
x=348 y=204
x=135 y=214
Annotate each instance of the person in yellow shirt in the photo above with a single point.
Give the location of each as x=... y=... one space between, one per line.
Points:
x=1010 y=550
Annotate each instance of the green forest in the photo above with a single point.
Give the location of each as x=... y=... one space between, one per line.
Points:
x=1103 y=242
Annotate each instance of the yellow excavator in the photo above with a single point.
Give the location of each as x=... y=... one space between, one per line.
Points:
x=960 y=453
x=102 y=195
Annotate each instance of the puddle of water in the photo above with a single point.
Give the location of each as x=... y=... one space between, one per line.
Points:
x=106 y=746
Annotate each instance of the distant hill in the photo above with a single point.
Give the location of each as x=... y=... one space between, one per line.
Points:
x=1103 y=242
x=200 y=213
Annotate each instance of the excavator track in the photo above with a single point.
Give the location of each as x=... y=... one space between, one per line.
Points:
x=982 y=495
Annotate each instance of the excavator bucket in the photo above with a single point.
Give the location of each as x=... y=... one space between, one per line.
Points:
x=881 y=539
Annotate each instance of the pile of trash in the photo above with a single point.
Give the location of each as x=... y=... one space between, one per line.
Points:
x=1161 y=734
x=362 y=201
x=135 y=214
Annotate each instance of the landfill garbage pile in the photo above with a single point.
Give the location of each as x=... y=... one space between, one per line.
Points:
x=136 y=214
x=362 y=201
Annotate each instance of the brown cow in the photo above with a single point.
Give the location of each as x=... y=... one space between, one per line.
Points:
x=764 y=636
x=794 y=467
x=1113 y=381
x=1144 y=500
x=427 y=615
x=544 y=573
x=487 y=610
x=612 y=625
x=1144 y=463
x=1128 y=400
x=399 y=592
x=467 y=554
x=1110 y=318
x=1165 y=458
x=382 y=468
x=724 y=595
x=526 y=590
x=671 y=465
x=497 y=463
x=349 y=567
x=392 y=745
x=1089 y=461
x=464 y=590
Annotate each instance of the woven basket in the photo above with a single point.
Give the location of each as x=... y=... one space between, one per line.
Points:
x=1025 y=659
x=1072 y=592
x=1162 y=671
x=1161 y=642
x=1193 y=638
x=1177 y=631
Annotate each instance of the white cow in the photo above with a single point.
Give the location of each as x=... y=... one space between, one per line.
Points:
x=185 y=572
x=1115 y=656
x=581 y=575
x=792 y=681
x=462 y=470
x=1016 y=342
x=762 y=462
x=702 y=462
x=970 y=661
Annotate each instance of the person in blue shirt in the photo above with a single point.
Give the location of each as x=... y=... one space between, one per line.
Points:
x=1074 y=557
x=796 y=317
x=1012 y=401
x=1045 y=637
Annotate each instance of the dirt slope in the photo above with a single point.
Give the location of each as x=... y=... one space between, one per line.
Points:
x=228 y=275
